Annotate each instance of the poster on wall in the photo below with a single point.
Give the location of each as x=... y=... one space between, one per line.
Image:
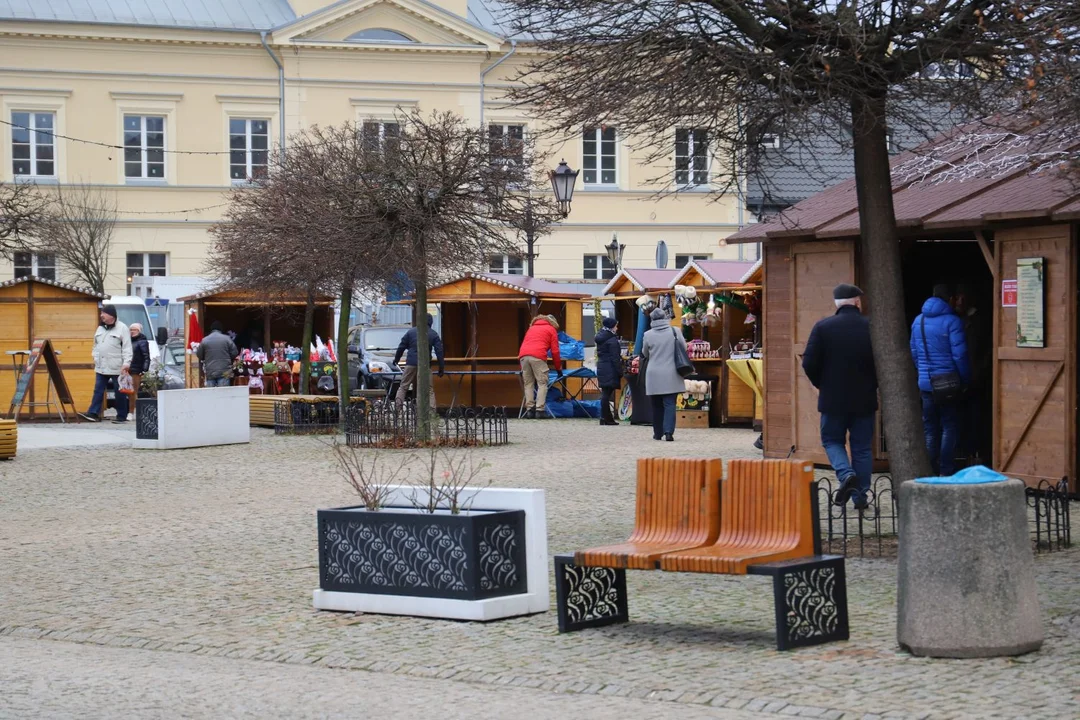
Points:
x=1030 y=302
x=1008 y=293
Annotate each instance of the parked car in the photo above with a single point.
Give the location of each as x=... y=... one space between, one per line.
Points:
x=371 y=351
x=173 y=363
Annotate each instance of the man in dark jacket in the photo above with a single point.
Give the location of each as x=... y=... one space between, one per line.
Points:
x=217 y=352
x=407 y=347
x=608 y=369
x=140 y=355
x=839 y=360
x=938 y=347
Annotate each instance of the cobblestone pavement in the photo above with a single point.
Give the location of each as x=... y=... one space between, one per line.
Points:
x=212 y=552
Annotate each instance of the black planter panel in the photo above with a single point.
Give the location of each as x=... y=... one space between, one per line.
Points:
x=146 y=419
x=395 y=552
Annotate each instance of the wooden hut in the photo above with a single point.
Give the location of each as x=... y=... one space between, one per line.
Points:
x=33 y=308
x=256 y=321
x=484 y=319
x=631 y=283
x=736 y=401
x=1010 y=236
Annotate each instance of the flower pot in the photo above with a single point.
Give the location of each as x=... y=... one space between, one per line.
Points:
x=146 y=418
x=400 y=551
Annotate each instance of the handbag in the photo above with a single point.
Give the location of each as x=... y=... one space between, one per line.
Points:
x=946 y=387
x=683 y=366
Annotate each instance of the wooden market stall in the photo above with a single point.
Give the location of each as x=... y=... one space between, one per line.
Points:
x=32 y=308
x=631 y=283
x=484 y=319
x=734 y=281
x=1010 y=238
x=258 y=323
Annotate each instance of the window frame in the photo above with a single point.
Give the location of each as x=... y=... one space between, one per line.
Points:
x=506 y=269
x=598 y=131
x=144 y=149
x=382 y=124
x=33 y=144
x=35 y=265
x=771 y=141
x=248 y=149
x=603 y=266
x=691 y=146
x=690 y=257
x=146 y=268
x=36 y=101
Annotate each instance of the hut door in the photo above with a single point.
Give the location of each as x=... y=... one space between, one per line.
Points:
x=1035 y=387
x=816 y=268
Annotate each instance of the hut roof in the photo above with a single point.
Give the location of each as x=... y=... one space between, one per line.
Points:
x=643 y=279
x=65 y=286
x=248 y=297
x=754 y=274
x=715 y=271
x=966 y=180
x=531 y=286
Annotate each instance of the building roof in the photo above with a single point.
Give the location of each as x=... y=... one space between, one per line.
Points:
x=965 y=180
x=241 y=15
x=43 y=281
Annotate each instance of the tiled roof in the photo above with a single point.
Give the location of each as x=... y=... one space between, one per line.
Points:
x=965 y=200
x=208 y=14
x=528 y=285
x=34 y=278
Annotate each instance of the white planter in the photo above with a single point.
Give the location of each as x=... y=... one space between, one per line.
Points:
x=199 y=417
x=534 y=600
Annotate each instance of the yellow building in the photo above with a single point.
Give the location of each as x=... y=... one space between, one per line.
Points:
x=169 y=103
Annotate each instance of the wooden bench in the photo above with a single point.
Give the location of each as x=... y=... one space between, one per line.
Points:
x=761 y=520
x=9 y=438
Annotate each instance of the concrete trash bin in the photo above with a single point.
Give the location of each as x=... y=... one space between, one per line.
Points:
x=966 y=576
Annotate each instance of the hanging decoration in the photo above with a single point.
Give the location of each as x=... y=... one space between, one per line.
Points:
x=598 y=320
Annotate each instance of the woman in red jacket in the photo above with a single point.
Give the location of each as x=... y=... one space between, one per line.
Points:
x=543 y=335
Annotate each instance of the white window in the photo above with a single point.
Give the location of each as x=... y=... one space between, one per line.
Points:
x=890 y=141
x=146 y=264
x=508 y=142
x=42 y=265
x=599 y=161
x=691 y=157
x=506 y=265
x=682 y=261
x=377 y=134
x=144 y=147
x=33 y=146
x=249 y=148
x=770 y=141
x=597 y=267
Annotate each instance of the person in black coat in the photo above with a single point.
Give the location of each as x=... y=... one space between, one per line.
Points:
x=608 y=369
x=839 y=361
x=140 y=355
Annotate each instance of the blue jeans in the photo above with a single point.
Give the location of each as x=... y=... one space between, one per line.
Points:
x=940 y=429
x=840 y=430
x=120 y=400
x=217 y=382
x=663 y=414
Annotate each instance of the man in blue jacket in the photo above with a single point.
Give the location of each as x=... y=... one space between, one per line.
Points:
x=839 y=361
x=943 y=351
x=407 y=347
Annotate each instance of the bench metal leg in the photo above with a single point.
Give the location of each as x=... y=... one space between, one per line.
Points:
x=588 y=596
x=811 y=603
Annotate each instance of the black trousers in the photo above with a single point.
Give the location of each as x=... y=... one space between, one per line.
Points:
x=607 y=404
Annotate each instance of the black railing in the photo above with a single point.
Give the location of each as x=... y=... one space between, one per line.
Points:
x=387 y=425
x=296 y=416
x=874 y=532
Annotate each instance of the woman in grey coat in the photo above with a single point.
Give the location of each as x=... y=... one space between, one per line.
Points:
x=662 y=379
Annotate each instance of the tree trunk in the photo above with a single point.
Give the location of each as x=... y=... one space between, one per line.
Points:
x=879 y=253
x=342 y=347
x=423 y=362
x=305 y=344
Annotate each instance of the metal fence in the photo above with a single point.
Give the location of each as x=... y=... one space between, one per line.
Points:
x=302 y=417
x=874 y=532
x=387 y=425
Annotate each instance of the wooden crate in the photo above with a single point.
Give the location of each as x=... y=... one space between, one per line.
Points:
x=692 y=419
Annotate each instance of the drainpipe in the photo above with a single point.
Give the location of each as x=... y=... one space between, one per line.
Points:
x=281 y=89
x=483 y=76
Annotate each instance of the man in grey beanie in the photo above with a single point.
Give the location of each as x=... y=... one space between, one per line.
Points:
x=112 y=358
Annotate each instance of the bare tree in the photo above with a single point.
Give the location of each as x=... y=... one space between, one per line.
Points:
x=740 y=69
x=78 y=229
x=22 y=210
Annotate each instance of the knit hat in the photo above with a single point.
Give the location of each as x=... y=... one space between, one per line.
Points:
x=109 y=310
x=844 y=291
x=658 y=314
x=610 y=323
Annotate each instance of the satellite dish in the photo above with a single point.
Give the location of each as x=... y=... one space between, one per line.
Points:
x=661 y=254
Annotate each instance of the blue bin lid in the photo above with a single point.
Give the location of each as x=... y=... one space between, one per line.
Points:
x=974 y=475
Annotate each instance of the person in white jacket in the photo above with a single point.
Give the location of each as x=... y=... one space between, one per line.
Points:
x=112 y=358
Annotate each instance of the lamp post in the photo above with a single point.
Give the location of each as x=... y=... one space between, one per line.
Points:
x=615 y=252
x=562 y=184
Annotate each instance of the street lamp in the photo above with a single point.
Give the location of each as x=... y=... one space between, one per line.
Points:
x=562 y=183
x=615 y=252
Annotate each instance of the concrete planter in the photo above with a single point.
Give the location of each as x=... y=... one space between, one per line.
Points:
x=486 y=564
x=199 y=417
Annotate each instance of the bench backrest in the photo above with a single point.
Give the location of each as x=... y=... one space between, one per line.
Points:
x=768 y=502
x=678 y=500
